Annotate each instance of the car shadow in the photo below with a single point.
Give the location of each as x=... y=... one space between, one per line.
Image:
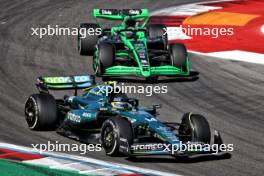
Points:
x=194 y=75
x=195 y=159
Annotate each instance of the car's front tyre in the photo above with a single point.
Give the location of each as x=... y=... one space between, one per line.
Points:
x=115 y=131
x=195 y=128
x=106 y=57
x=178 y=56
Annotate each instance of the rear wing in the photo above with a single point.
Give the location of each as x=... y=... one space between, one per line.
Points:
x=115 y=14
x=65 y=82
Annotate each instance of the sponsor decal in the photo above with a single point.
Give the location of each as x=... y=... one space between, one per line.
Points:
x=134 y=12
x=74 y=117
x=87 y=114
x=106 y=12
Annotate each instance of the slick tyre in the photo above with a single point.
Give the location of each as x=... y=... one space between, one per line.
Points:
x=178 y=55
x=106 y=56
x=156 y=30
x=41 y=112
x=115 y=131
x=86 y=42
x=195 y=128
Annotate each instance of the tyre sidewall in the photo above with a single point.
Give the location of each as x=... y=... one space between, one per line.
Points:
x=106 y=56
x=158 y=30
x=45 y=111
x=201 y=132
x=121 y=129
x=179 y=56
x=86 y=44
x=197 y=126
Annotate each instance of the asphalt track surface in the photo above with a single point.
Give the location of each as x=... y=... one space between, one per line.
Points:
x=229 y=94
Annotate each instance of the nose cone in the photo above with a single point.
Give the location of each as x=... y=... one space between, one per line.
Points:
x=146 y=73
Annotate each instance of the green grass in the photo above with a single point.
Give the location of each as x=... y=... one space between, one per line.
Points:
x=10 y=168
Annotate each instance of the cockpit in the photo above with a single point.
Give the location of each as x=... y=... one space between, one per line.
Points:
x=117 y=99
x=124 y=104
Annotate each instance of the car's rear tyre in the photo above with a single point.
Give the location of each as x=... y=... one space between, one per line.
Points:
x=195 y=128
x=41 y=112
x=178 y=55
x=87 y=43
x=106 y=56
x=156 y=30
x=114 y=131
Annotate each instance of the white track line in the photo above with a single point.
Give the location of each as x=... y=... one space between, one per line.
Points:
x=188 y=9
x=236 y=55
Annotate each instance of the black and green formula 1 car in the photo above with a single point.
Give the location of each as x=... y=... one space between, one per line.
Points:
x=117 y=122
x=131 y=48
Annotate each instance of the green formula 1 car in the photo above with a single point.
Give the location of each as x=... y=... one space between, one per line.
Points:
x=131 y=48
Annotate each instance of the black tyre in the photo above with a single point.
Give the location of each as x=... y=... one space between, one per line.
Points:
x=195 y=128
x=156 y=30
x=41 y=112
x=106 y=56
x=87 y=43
x=178 y=56
x=114 y=131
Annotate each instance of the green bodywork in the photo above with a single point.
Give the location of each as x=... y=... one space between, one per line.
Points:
x=132 y=52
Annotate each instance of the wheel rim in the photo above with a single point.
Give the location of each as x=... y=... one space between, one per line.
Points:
x=30 y=113
x=108 y=138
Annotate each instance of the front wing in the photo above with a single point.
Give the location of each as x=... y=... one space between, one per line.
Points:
x=166 y=70
x=144 y=149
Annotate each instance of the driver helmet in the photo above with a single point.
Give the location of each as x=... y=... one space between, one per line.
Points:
x=130 y=22
x=121 y=104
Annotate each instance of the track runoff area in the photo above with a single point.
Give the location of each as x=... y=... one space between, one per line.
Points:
x=22 y=161
x=231 y=30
